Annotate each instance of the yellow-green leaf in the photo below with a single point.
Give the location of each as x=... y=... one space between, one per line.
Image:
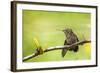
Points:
x=36 y=43
x=39 y=48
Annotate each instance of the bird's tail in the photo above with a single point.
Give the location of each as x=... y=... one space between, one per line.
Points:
x=64 y=51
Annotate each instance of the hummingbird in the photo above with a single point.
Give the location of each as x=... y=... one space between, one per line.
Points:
x=71 y=38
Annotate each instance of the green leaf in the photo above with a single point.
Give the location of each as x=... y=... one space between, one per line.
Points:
x=39 y=48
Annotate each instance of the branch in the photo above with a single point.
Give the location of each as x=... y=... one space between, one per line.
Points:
x=56 y=48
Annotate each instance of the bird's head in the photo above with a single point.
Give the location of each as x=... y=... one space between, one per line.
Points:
x=67 y=30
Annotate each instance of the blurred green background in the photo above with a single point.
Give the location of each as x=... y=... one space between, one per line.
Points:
x=45 y=26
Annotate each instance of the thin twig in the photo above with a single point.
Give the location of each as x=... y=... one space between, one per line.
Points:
x=56 y=48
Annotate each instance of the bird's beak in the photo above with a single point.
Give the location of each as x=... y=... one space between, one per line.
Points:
x=59 y=30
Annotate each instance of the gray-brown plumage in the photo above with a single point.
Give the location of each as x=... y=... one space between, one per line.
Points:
x=71 y=38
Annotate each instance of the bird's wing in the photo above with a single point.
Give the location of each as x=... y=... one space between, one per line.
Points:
x=76 y=37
